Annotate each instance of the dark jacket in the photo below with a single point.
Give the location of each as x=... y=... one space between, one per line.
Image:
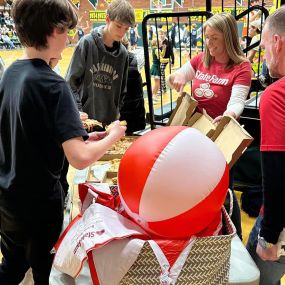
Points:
x=132 y=109
x=169 y=50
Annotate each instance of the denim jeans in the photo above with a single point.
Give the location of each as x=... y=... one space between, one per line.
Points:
x=270 y=271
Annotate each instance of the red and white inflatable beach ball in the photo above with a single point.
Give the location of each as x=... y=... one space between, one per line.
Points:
x=173 y=181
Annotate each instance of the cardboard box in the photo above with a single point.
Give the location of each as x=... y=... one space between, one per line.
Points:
x=97 y=171
x=231 y=138
x=203 y=123
x=111 y=177
x=184 y=109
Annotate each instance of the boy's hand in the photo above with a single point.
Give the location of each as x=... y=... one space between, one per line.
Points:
x=117 y=129
x=121 y=123
x=83 y=116
x=96 y=136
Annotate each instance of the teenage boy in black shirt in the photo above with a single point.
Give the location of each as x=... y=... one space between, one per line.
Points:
x=39 y=124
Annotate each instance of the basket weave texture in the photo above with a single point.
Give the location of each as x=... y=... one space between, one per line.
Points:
x=207 y=263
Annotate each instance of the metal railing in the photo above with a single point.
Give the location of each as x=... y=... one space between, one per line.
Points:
x=158 y=116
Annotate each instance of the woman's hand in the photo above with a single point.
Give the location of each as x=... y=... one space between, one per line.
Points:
x=226 y=113
x=217 y=119
x=177 y=81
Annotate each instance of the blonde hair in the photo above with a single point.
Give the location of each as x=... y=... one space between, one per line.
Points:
x=154 y=43
x=121 y=11
x=226 y=24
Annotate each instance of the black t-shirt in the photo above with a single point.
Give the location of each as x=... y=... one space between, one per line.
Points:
x=37 y=114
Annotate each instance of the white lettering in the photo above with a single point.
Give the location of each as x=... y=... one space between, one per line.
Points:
x=211 y=78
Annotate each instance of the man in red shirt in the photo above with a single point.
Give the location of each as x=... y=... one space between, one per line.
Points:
x=267 y=239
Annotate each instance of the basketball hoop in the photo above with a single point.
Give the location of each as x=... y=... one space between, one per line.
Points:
x=159 y=7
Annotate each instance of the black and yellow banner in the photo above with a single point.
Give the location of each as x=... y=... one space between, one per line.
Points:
x=97 y=16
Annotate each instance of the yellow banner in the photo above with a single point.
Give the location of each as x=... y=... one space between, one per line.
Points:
x=100 y=15
x=97 y=16
x=139 y=14
x=215 y=10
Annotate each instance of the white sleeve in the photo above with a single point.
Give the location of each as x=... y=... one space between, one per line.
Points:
x=187 y=70
x=237 y=100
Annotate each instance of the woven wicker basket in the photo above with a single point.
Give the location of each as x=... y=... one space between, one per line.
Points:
x=207 y=263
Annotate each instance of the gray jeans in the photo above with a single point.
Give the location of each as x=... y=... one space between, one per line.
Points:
x=270 y=272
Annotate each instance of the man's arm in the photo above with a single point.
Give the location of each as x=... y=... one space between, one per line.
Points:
x=273 y=169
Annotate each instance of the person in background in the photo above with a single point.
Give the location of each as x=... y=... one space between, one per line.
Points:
x=221 y=77
x=155 y=71
x=39 y=125
x=150 y=33
x=264 y=243
x=132 y=108
x=167 y=46
x=255 y=55
x=194 y=35
x=98 y=70
x=7 y=40
x=173 y=34
x=166 y=52
x=134 y=36
x=186 y=35
x=80 y=30
x=251 y=16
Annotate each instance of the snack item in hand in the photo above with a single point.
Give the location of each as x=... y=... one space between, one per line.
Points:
x=91 y=125
x=109 y=127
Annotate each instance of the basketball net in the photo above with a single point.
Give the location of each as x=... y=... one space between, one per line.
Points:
x=159 y=7
x=157 y=4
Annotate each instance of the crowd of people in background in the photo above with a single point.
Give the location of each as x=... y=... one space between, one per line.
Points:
x=8 y=34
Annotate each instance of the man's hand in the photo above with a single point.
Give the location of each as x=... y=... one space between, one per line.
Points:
x=268 y=254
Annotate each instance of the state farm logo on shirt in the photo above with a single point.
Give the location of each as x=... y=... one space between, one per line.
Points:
x=211 y=78
x=204 y=91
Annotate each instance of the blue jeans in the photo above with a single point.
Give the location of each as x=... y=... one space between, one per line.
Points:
x=270 y=271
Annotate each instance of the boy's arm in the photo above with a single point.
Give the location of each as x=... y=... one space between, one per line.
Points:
x=80 y=154
x=75 y=73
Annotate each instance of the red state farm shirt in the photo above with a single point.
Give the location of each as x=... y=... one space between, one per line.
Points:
x=212 y=87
